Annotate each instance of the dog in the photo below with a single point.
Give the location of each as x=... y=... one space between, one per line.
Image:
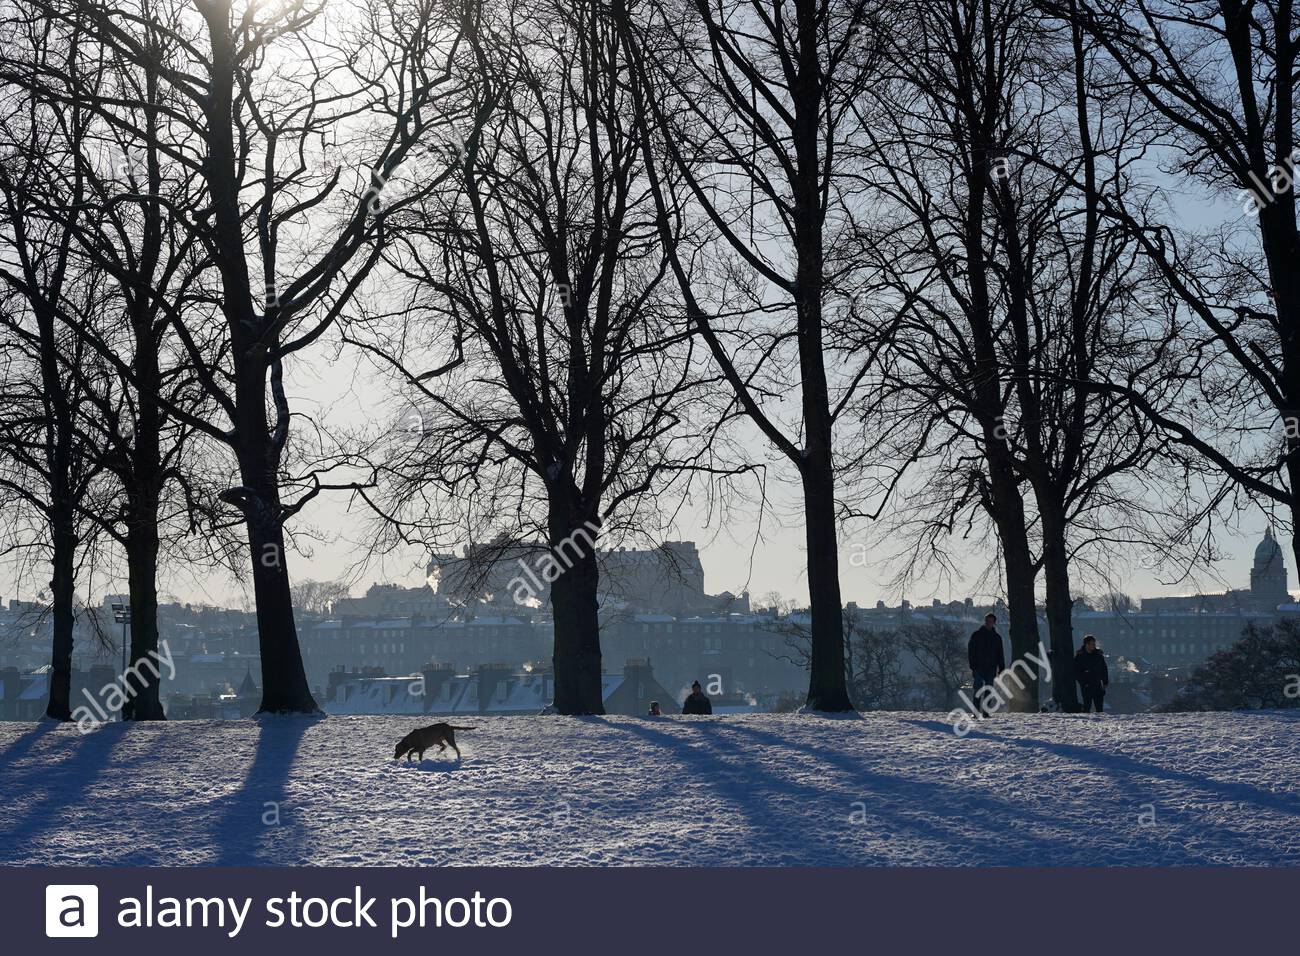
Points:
x=418 y=741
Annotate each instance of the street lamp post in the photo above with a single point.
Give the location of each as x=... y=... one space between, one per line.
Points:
x=122 y=615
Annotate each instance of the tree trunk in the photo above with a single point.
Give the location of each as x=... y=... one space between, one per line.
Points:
x=256 y=446
x=61 y=586
x=575 y=609
x=284 y=679
x=1060 y=605
x=142 y=577
x=827 y=689
x=144 y=486
x=1022 y=610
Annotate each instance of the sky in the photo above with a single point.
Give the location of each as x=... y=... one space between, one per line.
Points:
x=744 y=555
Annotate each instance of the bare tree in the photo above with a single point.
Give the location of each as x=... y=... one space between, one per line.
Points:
x=1026 y=296
x=754 y=137
x=1220 y=79
x=950 y=103
x=939 y=650
x=318 y=597
x=47 y=464
x=112 y=193
x=555 y=388
x=267 y=109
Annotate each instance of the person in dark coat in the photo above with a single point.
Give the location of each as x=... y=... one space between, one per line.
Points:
x=1091 y=673
x=986 y=658
x=697 y=703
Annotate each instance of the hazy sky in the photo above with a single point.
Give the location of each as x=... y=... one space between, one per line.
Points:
x=734 y=559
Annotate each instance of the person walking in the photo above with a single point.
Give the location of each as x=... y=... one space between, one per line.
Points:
x=986 y=658
x=1091 y=673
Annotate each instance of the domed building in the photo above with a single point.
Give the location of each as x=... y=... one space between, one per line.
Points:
x=1186 y=629
x=1268 y=576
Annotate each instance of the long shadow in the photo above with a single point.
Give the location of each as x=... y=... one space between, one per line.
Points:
x=51 y=790
x=939 y=801
x=748 y=788
x=258 y=813
x=24 y=742
x=1113 y=763
x=735 y=789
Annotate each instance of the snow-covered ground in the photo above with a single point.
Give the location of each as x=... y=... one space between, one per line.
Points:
x=896 y=789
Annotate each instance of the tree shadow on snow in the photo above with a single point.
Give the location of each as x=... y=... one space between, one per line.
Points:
x=23 y=743
x=257 y=820
x=930 y=811
x=55 y=788
x=943 y=811
x=1123 y=769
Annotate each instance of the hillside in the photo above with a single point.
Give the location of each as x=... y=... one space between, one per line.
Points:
x=896 y=789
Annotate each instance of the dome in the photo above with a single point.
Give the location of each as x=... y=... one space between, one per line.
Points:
x=1268 y=550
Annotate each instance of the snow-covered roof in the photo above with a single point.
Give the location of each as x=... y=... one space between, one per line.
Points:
x=513 y=694
x=379 y=695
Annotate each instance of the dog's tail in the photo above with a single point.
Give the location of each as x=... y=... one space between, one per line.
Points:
x=455 y=727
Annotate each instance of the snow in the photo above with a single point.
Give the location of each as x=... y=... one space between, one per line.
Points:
x=756 y=789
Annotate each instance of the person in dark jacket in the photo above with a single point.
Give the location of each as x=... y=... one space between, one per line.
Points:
x=986 y=658
x=1091 y=673
x=697 y=703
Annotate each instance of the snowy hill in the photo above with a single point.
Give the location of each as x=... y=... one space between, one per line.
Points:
x=758 y=789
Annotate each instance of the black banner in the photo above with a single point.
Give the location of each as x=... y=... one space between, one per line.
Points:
x=633 y=911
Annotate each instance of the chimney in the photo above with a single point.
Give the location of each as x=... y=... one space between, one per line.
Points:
x=489 y=677
x=11 y=681
x=435 y=678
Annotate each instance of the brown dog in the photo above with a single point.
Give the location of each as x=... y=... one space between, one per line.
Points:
x=418 y=741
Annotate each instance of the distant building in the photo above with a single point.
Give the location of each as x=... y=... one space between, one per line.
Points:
x=390 y=600
x=745 y=651
x=492 y=689
x=1186 y=629
x=667 y=579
